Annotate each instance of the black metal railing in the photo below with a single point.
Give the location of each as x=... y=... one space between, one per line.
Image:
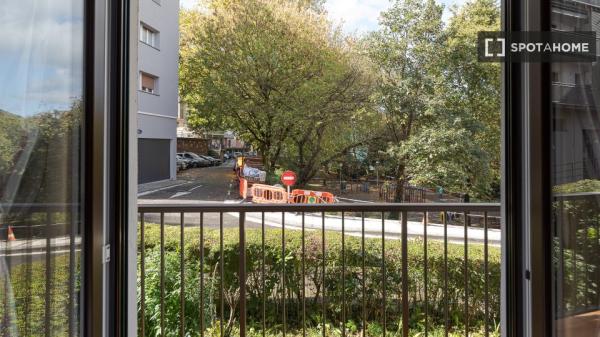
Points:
x=576 y=243
x=341 y=269
x=40 y=247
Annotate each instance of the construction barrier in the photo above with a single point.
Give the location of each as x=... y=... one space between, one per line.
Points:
x=265 y=194
x=311 y=197
x=243 y=188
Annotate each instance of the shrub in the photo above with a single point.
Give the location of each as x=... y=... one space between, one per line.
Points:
x=333 y=285
x=27 y=302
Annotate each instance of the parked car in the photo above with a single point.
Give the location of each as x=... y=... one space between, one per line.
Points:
x=237 y=154
x=213 y=161
x=182 y=162
x=213 y=153
x=192 y=161
x=198 y=160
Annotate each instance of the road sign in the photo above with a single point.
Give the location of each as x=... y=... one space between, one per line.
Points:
x=288 y=178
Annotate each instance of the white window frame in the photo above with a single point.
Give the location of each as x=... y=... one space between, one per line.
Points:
x=149 y=35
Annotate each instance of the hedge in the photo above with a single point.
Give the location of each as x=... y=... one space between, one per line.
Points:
x=27 y=301
x=274 y=267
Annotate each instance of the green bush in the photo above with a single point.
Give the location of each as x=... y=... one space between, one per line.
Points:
x=334 y=287
x=27 y=301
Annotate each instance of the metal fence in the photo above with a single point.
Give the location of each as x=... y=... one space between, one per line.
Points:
x=576 y=247
x=386 y=268
x=40 y=247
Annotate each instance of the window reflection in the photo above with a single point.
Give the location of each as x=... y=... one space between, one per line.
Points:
x=576 y=180
x=41 y=113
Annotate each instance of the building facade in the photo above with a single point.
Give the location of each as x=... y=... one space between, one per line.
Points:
x=158 y=56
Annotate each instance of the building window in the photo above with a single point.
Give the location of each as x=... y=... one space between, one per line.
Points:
x=149 y=36
x=149 y=83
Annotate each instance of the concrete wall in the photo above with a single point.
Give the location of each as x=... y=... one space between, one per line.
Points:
x=157 y=112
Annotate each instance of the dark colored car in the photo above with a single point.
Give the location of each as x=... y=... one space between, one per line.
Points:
x=192 y=162
x=199 y=161
x=182 y=162
x=213 y=161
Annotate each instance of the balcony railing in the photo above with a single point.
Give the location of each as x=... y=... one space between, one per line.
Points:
x=331 y=270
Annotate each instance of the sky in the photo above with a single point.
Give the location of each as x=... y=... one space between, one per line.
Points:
x=41 y=53
x=357 y=16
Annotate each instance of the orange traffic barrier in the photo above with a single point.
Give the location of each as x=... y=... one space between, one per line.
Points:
x=243 y=188
x=311 y=197
x=11 y=234
x=265 y=194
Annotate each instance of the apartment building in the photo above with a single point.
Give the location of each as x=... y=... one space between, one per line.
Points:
x=158 y=55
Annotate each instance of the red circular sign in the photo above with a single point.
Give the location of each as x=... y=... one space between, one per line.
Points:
x=288 y=178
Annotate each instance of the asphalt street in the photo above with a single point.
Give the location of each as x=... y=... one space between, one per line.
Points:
x=218 y=184
x=206 y=184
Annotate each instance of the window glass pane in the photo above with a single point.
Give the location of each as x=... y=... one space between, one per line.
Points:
x=41 y=113
x=576 y=180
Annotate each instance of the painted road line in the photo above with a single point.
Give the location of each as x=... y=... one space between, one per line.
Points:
x=195 y=188
x=179 y=194
x=356 y=200
x=160 y=189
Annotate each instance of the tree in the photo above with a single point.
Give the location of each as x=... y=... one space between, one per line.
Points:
x=441 y=106
x=279 y=74
x=473 y=89
x=402 y=49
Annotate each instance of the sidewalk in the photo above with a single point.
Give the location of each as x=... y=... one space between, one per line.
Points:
x=37 y=246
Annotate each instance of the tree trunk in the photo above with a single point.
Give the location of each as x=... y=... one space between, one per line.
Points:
x=400 y=181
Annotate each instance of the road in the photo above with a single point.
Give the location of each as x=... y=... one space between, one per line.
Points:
x=217 y=184
x=206 y=184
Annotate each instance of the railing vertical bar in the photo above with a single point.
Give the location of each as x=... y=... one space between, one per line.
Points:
x=466 y=272
x=598 y=262
x=486 y=275
x=303 y=278
x=221 y=275
x=5 y=280
x=72 y=272
x=573 y=239
x=182 y=275
x=201 y=274
x=426 y=273
x=561 y=266
x=597 y=277
x=405 y=274
x=48 y=289
x=284 y=295
x=142 y=275
x=262 y=277
x=343 y=275
x=446 y=299
x=364 y=275
x=28 y=276
x=383 y=271
x=162 y=273
x=242 y=273
x=324 y=318
x=586 y=266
